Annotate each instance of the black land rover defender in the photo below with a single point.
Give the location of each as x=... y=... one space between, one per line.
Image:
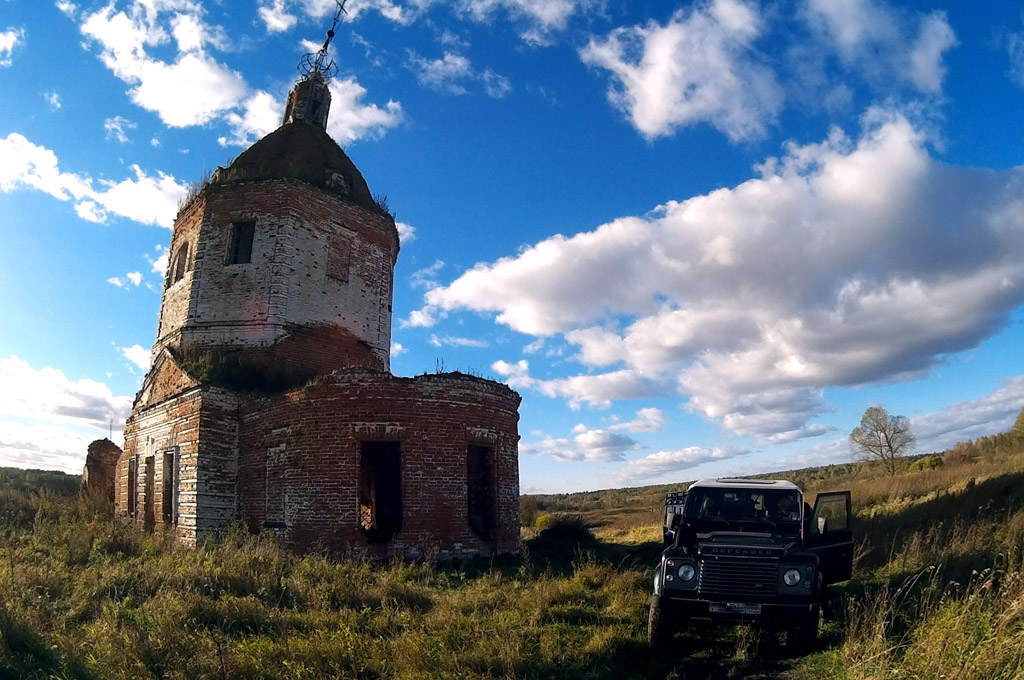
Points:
x=749 y=551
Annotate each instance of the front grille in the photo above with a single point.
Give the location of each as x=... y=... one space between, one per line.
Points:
x=737 y=579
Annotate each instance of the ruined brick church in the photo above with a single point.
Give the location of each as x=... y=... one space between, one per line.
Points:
x=270 y=401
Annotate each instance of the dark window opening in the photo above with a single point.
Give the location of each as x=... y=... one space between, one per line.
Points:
x=273 y=503
x=481 y=491
x=242 y=234
x=149 y=510
x=380 y=490
x=169 y=500
x=133 y=486
x=180 y=265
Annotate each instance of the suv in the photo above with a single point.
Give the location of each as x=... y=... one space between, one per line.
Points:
x=750 y=551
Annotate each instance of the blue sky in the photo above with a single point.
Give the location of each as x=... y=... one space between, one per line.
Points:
x=698 y=238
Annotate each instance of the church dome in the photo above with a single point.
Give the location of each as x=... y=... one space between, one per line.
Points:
x=300 y=150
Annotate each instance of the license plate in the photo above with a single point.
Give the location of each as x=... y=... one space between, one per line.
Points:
x=734 y=608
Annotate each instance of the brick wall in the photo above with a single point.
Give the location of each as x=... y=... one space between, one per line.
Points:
x=317 y=261
x=299 y=457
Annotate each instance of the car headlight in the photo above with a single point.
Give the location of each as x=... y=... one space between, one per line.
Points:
x=687 y=572
x=791 y=577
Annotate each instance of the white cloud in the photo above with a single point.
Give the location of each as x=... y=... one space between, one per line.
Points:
x=701 y=66
x=871 y=38
x=426 y=278
x=397 y=349
x=541 y=18
x=967 y=420
x=42 y=446
x=276 y=18
x=926 y=67
x=593 y=446
x=666 y=462
x=52 y=100
x=597 y=391
x=191 y=90
x=145 y=199
x=130 y=279
x=47 y=395
x=261 y=115
x=406 y=232
x=8 y=40
x=444 y=74
x=450 y=341
x=116 y=127
x=847 y=262
x=452 y=72
x=70 y=9
x=647 y=420
x=1015 y=50
x=160 y=262
x=497 y=86
x=350 y=119
x=137 y=354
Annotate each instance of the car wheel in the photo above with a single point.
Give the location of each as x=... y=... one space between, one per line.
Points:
x=801 y=636
x=659 y=625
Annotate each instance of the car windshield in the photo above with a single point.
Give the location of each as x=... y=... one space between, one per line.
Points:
x=720 y=509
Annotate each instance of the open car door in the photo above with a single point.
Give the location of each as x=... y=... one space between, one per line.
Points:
x=832 y=536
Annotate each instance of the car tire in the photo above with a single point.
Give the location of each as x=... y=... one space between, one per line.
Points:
x=801 y=636
x=660 y=627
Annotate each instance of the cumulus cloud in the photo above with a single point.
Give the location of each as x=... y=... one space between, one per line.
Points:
x=8 y=40
x=540 y=18
x=406 y=232
x=397 y=349
x=452 y=72
x=48 y=395
x=261 y=114
x=351 y=119
x=451 y=341
x=700 y=67
x=966 y=420
x=192 y=89
x=646 y=420
x=589 y=445
x=42 y=446
x=137 y=354
x=443 y=74
x=597 y=390
x=52 y=100
x=116 y=127
x=130 y=279
x=666 y=462
x=846 y=262
x=146 y=199
x=872 y=38
x=275 y=17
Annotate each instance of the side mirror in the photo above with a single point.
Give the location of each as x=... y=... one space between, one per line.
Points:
x=822 y=525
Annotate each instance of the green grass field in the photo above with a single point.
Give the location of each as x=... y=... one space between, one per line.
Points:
x=938 y=592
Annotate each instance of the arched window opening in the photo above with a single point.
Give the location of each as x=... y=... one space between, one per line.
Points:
x=180 y=264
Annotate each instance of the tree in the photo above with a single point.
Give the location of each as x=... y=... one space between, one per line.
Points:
x=1018 y=427
x=882 y=437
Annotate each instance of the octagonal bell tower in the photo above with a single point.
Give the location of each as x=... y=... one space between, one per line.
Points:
x=284 y=257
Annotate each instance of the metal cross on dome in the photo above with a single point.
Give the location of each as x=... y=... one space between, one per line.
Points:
x=319 y=63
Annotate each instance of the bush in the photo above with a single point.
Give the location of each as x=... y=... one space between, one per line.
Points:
x=528 y=510
x=545 y=520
